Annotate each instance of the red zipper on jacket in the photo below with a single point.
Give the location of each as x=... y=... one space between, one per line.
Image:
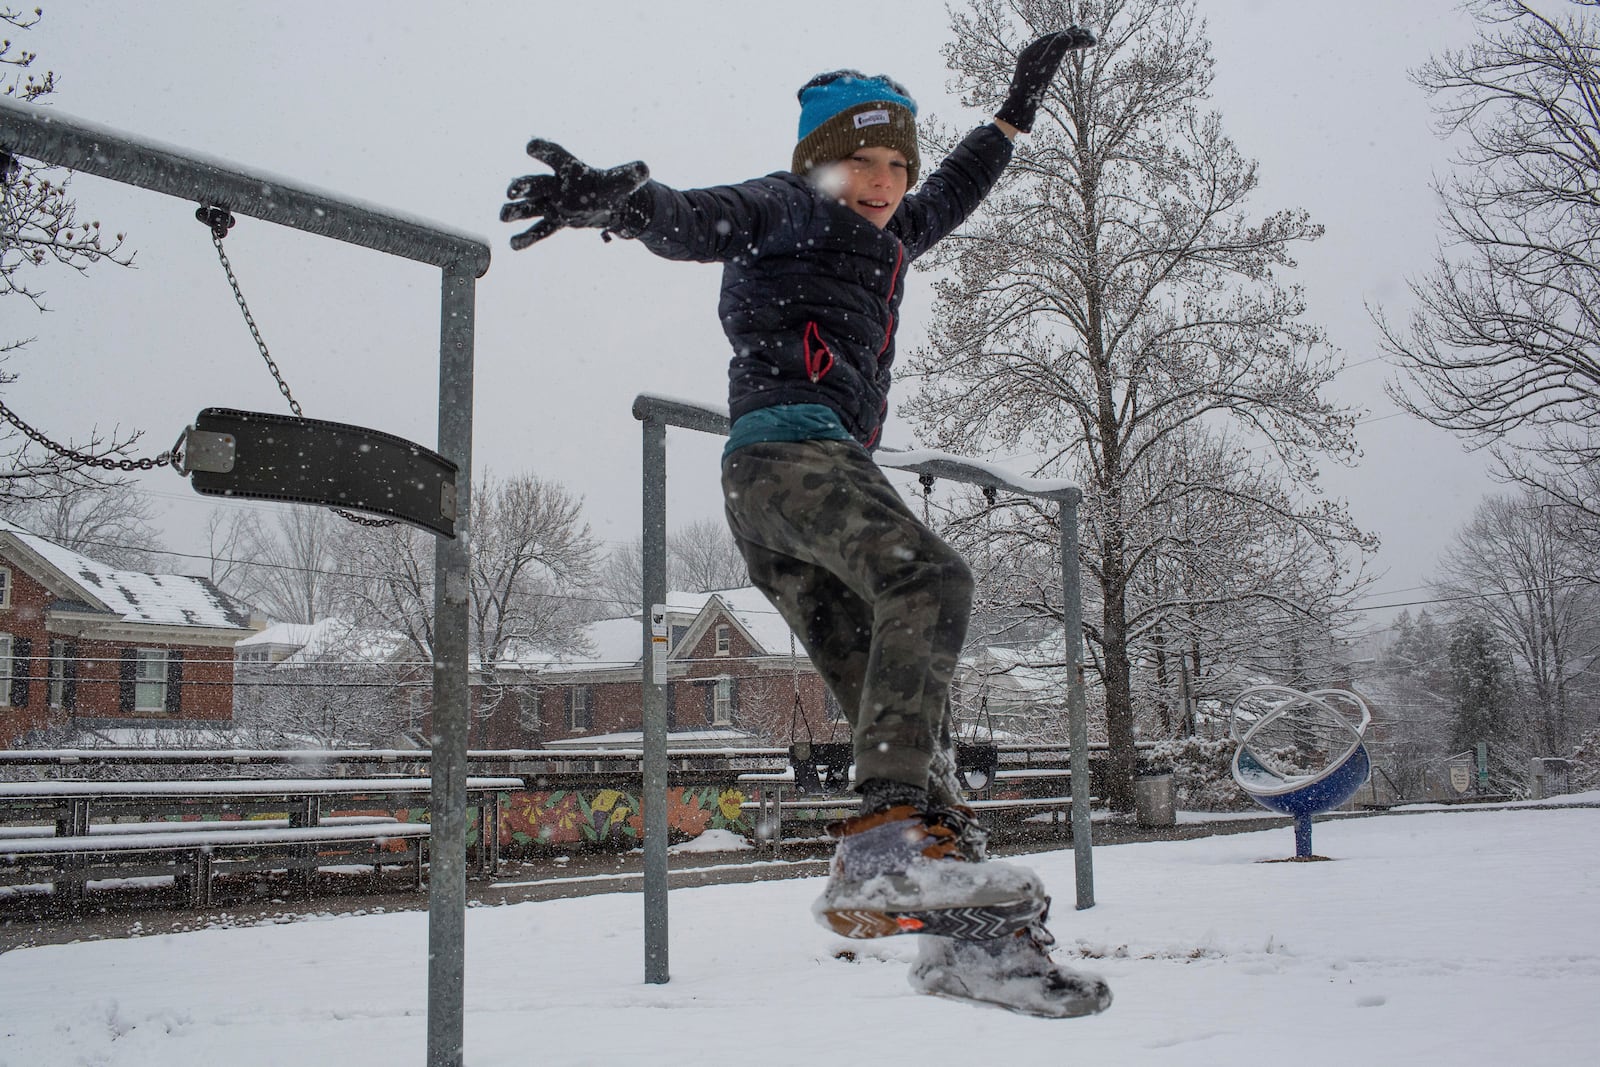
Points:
x=816 y=351
x=894 y=279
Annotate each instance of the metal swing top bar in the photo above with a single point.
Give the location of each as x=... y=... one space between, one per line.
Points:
x=65 y=141
x=61 y=140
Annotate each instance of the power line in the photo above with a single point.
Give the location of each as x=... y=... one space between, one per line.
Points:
x=1570 y=583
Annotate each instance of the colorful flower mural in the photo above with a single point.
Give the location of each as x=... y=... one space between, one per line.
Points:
x=613 y=818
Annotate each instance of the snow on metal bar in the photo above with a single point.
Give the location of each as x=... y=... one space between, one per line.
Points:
x=58 y=139
x=709 y=418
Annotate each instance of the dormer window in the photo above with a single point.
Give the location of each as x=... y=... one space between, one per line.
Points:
x=724 y=639
x=5 y=587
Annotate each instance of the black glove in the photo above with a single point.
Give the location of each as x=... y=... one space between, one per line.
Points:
x=1036 y=67
x=575 y=195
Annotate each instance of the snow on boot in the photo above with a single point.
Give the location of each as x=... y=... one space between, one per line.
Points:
x=1014 y=972
x=905 y=871
x=944 y=792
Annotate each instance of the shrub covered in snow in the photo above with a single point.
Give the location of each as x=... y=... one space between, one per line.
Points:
x=1585 y=773
x=1201 y=773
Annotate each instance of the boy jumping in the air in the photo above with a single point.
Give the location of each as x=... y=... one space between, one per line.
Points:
x=814 y=271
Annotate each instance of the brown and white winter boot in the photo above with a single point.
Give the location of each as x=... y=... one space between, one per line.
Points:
x=903 y=870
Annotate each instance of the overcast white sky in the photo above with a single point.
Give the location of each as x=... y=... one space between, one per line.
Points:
x=425 y=108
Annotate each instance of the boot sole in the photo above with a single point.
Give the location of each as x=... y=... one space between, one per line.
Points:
x=982 y=923
x=1092 y=1003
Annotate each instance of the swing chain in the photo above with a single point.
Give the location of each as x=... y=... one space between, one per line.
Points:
x=220 y=220
x=8 y=163
x=165 y=459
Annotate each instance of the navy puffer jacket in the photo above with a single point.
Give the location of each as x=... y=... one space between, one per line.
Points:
x=811 y=290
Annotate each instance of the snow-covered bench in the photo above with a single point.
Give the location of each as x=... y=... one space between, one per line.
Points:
x=78 y=808
x=191 y=854
x=817 y=785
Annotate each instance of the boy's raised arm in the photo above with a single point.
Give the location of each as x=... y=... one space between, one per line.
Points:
x=576 y=194
x=708 y=225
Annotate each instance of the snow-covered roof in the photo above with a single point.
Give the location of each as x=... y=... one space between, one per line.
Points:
x=759 y=618
x=134 y=596
x=285 y=634
x=180 y=733
x=1033 y=669
x=326 y=637
x=618 y=642
x=627 y=739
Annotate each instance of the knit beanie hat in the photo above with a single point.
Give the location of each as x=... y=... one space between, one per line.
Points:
x=844 y=110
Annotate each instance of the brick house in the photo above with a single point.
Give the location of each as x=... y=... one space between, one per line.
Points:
x=731 y=680
x=86 y=648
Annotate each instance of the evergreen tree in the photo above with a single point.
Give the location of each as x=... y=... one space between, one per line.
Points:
x=1481 y=686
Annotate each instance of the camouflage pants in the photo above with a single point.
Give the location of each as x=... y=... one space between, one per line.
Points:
x=879 y=602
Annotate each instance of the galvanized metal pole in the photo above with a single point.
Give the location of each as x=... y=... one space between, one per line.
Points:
x=653 y=702
x=447 y=875
x=1077 y=712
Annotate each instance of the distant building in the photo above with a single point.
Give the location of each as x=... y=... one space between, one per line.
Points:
x=731 y=680
x=89 y=652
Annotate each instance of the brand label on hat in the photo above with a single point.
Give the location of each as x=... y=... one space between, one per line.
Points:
x=872 y=118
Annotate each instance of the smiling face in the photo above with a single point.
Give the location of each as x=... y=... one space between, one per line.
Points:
x=871 y=182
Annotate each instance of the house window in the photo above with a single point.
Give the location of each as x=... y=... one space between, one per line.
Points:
x=57 y=673
x=5 y=587
x=579 y=712
x=722 y=703
x=150 y=680
x=724 y=639
x=5 y=670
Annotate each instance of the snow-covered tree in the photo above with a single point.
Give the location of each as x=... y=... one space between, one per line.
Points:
x=1516 y=564
x=1482 y=685
x=701 y=558
x=40 y=231
x=340 y=691
x=291 y=565
x=1503 y=343
x=1114 y=293
x=533 y=558
x=113 y=524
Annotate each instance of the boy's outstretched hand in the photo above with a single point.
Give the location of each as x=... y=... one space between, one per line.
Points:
x=575 y=195
x=1036 y=67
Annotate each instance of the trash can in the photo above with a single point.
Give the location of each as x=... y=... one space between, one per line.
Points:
x=1153 y=799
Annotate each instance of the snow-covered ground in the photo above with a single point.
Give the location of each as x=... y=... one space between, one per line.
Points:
x=1431 y=938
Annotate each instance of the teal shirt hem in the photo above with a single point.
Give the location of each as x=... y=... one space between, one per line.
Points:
x=786 y=422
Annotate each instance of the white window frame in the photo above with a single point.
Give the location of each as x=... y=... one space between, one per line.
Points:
x=5 y=587
x=5 y=670
x=722 y=702
x=724 y=639
x=580 y=707
x=144 y=684
x=55 y=685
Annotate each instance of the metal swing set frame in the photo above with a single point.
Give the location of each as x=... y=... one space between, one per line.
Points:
x=57 y=139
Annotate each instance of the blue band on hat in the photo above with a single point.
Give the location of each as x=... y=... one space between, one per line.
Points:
x=820 y=103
